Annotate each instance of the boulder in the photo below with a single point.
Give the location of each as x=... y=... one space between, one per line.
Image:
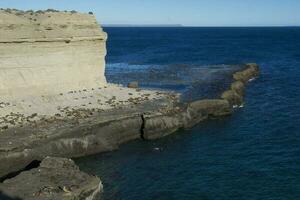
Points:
x=55 y=178
x=133 y=84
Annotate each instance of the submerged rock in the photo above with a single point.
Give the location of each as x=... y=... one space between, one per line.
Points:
x=55 y=178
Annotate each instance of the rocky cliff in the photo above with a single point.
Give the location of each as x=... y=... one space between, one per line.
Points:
x=49 y=52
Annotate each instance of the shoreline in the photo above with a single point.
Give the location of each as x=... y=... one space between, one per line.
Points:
x=104 y=131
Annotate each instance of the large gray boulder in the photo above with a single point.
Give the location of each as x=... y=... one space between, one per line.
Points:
x=55 y=178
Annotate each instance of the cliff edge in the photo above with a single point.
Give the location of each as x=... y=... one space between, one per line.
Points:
x=49 y=52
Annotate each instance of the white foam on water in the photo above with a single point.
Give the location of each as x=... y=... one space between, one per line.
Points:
x=251 y=79
x=158 y=149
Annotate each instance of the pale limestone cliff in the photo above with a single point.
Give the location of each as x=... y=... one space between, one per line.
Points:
x=50 y=52
x=53 y=63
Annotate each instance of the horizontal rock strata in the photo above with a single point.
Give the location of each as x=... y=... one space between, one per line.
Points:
x=75 y=132
x=50 y=52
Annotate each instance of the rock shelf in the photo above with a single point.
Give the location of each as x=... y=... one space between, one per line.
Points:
x=55 y=101
x=55 y=178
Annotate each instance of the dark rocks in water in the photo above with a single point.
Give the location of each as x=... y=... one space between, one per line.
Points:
x=238 y=87
x=232 y=97
x=157 y=125
x=55 y=178
x=235 y=95
x=133 y=84
x=160 y=124
x=251 y=71
x=210 y=108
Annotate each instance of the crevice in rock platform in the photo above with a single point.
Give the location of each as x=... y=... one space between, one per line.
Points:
x=32 y=165
x=142 y=127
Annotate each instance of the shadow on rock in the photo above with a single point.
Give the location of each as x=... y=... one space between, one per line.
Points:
x=5 y=197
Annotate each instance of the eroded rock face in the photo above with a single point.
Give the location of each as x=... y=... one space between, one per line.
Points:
x=55 y=178
x=50 y=52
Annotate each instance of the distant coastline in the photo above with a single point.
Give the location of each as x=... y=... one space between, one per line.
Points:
x=142 y=25
x=185 y=26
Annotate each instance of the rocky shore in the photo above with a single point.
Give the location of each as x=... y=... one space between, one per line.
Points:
x=54 y=178
x=82 y=117
x=101 y=131
x=185 y=115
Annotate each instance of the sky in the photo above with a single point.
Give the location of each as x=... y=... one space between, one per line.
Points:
x=185 y=12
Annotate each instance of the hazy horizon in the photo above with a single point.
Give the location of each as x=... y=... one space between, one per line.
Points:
x=191 y=26
x=213 y=13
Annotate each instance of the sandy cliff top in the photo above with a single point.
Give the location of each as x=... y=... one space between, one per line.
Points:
x=20 y=26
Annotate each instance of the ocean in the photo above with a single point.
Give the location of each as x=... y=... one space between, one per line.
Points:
x=253 y=154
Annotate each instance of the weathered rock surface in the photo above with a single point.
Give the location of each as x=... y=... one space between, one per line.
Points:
x=55 y=178
x=89 y=131
x=252 y=70
x=232 y=97
x=159 y=124
x=84 y=132
x=50 y=52
x=238 y=87
x=235 y=94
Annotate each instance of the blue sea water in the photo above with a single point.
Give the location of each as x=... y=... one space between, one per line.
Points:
x=253 y=154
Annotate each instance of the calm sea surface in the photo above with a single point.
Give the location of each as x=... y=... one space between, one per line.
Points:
x=253 y=154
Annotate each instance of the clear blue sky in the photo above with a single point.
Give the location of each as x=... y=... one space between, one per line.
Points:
x=186 y=12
